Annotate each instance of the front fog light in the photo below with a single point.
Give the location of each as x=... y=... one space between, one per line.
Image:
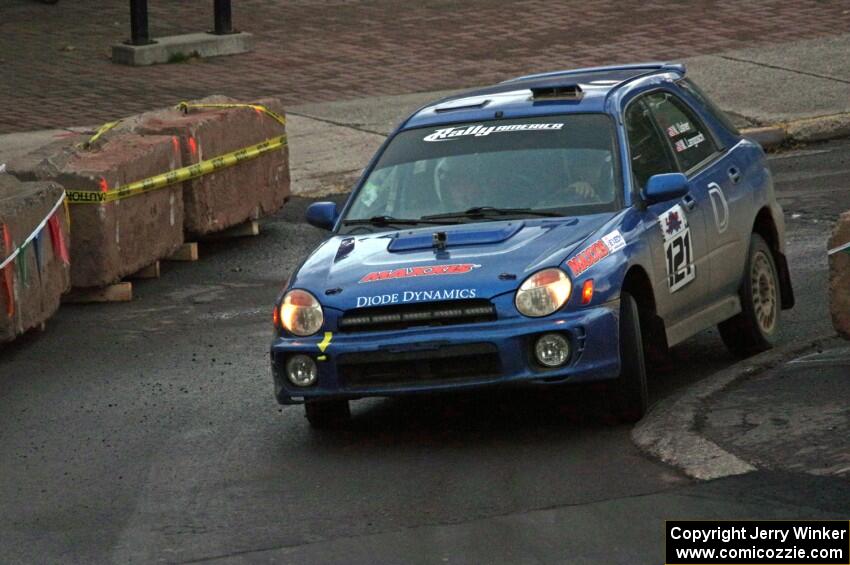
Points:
x=552 y=350
x=301 y=370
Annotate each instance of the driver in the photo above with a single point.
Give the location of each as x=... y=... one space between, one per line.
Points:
x=458 y=188
x=590 y=176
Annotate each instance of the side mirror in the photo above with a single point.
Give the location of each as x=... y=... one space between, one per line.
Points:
x=667 y=186
x=322 y=215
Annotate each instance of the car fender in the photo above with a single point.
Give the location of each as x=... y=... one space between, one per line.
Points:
x=609 y=272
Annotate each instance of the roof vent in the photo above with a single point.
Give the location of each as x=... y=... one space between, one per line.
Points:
x=563 y=92
x=462 y=105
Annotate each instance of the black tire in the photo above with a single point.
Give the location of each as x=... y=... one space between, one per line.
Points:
x=629 y=397
x=754 y=329
x=327 y=414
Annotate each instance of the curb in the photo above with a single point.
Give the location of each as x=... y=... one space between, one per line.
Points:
x=670 y=432
x=769 y=137
x=807 y=130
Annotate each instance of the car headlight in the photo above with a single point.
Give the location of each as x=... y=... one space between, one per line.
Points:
x=543 y=293
x=300 y=313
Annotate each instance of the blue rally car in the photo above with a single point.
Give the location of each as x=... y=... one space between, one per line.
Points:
x=549 y=229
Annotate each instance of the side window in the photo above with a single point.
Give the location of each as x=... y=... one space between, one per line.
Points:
x=709 y=106
x=691 y=142
x=647 y=149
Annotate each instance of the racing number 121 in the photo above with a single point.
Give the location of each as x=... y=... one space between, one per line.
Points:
x=680 y=267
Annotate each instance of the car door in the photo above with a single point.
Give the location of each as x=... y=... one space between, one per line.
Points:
x=733 y=193
x=674 y=230
x=710 y=171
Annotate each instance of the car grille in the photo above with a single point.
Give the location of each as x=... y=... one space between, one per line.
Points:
x=411 y=315
x=437 y=363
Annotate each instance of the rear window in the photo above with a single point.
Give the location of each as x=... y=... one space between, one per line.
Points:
x=709 y=106
x=567 y=164
x=691 y=141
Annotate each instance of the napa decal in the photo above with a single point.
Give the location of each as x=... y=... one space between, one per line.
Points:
x=410 y=272
x=416 y=296
x=596 y=251
x=446 y=134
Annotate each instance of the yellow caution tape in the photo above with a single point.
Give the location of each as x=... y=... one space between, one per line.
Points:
x=186 y=106
x=323 y=345
x=177 y=175
x=101 y=130
x=185 y=173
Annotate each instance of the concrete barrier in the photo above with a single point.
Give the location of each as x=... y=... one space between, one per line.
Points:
x=231 y=196
x=116 y=239
x=839 y=276
x=31 y=285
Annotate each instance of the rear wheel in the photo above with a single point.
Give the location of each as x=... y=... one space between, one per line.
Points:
x=327 y=414
x=629 y=397
x=754 y=329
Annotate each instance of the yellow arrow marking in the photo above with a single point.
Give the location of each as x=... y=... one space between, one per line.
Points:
x=325 y=342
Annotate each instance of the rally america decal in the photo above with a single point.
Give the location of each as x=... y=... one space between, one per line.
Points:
x=408 y=272
x=678 y=248
x=596 y=251
x=445 y=134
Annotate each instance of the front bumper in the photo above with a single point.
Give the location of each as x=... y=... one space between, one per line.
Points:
x=592 y=333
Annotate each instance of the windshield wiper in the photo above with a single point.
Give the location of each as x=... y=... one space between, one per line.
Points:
x=490 y=211
x=387 y=220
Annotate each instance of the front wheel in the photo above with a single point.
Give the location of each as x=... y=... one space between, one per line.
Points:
x=327 y=414
x=629 y=392
x=754 y=329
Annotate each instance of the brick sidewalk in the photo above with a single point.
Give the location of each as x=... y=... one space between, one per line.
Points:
x=55 y=70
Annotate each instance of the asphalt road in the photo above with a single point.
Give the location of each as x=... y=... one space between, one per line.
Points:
x=147 y=431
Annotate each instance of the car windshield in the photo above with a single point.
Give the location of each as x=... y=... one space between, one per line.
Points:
x=549 y=165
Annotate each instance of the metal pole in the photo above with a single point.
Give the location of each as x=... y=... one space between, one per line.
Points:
x=223 y=20
x=139 y=34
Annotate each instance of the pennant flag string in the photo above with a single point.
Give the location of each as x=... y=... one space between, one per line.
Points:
x=23 y=268
x=845 y=248
x=34 y=234
x=39 y=252
x=68 y=215
x=8 y=279
x=59 y=248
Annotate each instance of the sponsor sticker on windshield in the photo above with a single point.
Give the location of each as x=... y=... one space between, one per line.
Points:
x=446 y=134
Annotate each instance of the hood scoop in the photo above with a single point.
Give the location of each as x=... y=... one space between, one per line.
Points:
x=410 y=241
x=346 y=246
